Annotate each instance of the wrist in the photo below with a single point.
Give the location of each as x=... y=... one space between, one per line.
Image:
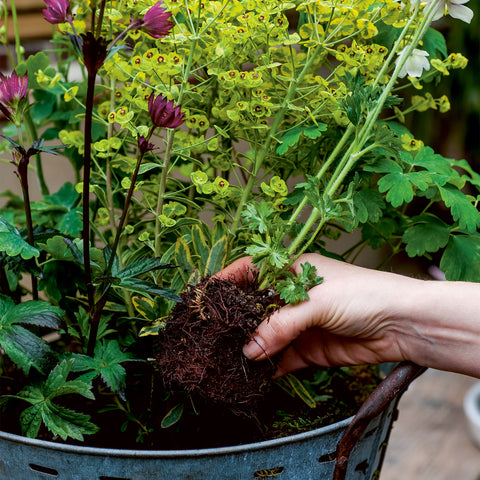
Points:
x=438 y=325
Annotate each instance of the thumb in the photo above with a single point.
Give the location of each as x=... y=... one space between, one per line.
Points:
x=276 y=332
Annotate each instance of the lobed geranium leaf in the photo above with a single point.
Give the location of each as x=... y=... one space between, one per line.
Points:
x=461 y=258
x=369 y=205
x=427 y=234
x=461 y=207
x=13 y=244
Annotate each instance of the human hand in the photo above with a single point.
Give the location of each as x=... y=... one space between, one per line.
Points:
x=347 y=320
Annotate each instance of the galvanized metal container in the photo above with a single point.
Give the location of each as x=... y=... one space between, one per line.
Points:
x=306 y=456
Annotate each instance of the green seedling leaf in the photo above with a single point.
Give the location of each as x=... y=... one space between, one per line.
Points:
x=291 y=138
x=173 y=416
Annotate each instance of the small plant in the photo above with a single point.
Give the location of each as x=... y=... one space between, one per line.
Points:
x=198 y=132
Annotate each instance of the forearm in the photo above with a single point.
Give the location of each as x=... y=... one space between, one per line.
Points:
x=439 y=325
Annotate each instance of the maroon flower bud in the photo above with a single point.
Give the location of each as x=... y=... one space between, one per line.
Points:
x=57 y=11
x=163 y=112
x=13 y=90
x=156 y=21
x=144 y=145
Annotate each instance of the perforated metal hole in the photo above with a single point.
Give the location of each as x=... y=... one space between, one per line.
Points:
x=328 y=457
x=40 y=468
x=269 y=472
x=103 y=477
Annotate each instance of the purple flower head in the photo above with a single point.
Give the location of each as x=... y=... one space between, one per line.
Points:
x=156 y=21
x=57 y=11
x=144 y=145
x=163 y=112
x=13 y=90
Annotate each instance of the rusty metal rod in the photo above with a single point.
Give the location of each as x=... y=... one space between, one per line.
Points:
x=393 y=386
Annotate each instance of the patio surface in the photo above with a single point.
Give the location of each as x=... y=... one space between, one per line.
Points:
x=430 y=439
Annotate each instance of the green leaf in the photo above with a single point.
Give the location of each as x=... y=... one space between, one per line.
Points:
x=24 y=348
x=434 y=43
x=427 y=234
x=13 y=244
x=461 y=207
x=201 y=247
x=258 y=215
x=106 y=363
x=144 y=287
x=183 y=258
x=217 y=256
x=300 y=390
x=173 y=416
x=369 y=205
x=141 y=267
x=59 y=420
x=461 y=258
x=34 y=312
x=291 y=138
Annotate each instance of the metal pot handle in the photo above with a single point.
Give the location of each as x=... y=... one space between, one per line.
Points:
x=393 y=386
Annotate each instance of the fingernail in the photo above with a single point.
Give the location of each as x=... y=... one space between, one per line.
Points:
x=254 y=349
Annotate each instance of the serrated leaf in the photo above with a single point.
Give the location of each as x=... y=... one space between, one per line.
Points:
x=173 y=416
x=67 y=423
x=144 y=287
x=24 y=348
x=106 y=362
x=461 y=207
x=34 y=312
x=369 y=205
x=461 y=258
x=141 y=267
x=428 y=234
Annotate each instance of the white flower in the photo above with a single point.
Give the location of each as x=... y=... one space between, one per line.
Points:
x=455 y=8
x=415 y=63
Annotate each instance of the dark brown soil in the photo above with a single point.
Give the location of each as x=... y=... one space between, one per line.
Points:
x=200 y=349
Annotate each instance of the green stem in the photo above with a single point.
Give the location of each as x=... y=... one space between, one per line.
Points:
x=161 y=191
x=16 y=32
x=33 y=134
x=355 y=151
x=273 y=130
